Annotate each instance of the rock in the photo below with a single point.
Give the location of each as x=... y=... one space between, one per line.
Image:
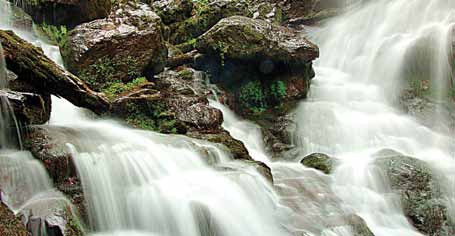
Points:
x=121 y=47
x=48 y=144
x=419 y=192
x=236 y=147
x=65 y=12
x=29 y=108
x=35 y=69
x=320 y=162
x=172 y=11
x=261 y=66
x=10 y=225
x=243 y=38
x=205 y=15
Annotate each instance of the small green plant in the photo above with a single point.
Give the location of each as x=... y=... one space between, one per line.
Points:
x=252 y=96
x=116 y=88
x=106 y=71
x=56 y=34
x=278 y=89
x=154 y=117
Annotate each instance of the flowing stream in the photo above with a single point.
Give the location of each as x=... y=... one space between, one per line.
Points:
x=142 y=184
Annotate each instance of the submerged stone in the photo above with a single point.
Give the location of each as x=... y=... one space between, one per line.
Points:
x=419 y=190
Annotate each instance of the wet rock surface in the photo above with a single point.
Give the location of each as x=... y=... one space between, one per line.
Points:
x=319 y=161
x=419 y=191
x=29 y=108
x=121 y=47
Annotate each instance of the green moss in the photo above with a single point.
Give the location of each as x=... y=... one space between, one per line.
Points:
x=278 y=90
x=57 y=35
x=116 y=88
x=155 y=117
x=185 y=74
x=104 y=73
x=252 y=96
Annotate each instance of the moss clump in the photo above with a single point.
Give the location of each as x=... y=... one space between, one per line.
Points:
x=154 y=117
x=103 y=74
x=116 y=88
x=57 y=35
x=252 y=96
x=186 y=74
x=278 y=90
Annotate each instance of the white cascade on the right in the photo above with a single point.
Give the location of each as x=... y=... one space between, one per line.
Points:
x=368 y=57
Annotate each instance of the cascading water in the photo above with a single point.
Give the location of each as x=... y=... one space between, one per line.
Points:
x=368 y=56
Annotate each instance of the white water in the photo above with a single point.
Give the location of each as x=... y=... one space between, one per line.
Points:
x=142 y=183
x=351 y=113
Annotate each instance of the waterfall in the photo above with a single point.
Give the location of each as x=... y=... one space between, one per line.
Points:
x=369 y=56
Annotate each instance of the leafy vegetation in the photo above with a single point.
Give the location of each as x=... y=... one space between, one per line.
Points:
x=278 y=89
x=103 y=74
x=153 y=117
x=252 y=96
x=58 y=35
x=116 y=88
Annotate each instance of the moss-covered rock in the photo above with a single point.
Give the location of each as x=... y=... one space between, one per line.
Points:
x=205 y=15
x=319 y=161
x=127 y=44
x=65 y=12
x=419 y=191
x=261 y=66
x=243 y=38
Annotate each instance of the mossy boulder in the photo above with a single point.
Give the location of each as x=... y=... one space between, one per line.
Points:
x=120 y=48
x=262 y=66
x=243 y=38
x=419 y=191
x=205 y=15
x=319 y=161
x=65 y=12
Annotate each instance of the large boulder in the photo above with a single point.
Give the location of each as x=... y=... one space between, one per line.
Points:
x=243 y=38
x=419 y=191
x=261 y=66
x=65 y=12
x=121 y=47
